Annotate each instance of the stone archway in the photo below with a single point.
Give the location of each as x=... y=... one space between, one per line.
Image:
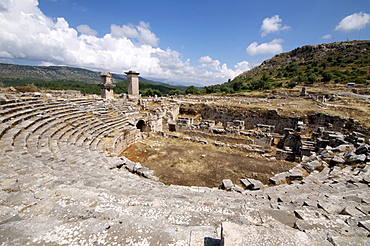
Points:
x=141 y=125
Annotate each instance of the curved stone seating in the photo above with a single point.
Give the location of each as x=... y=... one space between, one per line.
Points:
x=41 y=127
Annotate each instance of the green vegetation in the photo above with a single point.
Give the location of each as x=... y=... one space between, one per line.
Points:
x=146 y=89
x=340 y=63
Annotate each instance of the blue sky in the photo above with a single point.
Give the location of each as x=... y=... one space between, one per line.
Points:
x=179 y=41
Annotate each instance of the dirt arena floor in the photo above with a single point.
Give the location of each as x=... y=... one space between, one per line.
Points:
x=182 y=162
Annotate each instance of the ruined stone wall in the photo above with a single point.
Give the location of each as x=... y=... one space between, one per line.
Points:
x=221 y=138
x=129 y=137
x=252 y=117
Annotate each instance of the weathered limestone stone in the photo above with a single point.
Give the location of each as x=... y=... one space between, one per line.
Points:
x=345 y=241
x=365 y=224
x=337 y=160
x=9 y=185
x=307 y=214
x=363 y=149
x=227 y=184
x=280 y=215
x=279 y=178
x=312 y=165
x=296 y=174
x=357 y=158
x=204 y=236
x=329 y=207
x=238 y=235
x=252 y=184
x=320 y=224
x=351 y=210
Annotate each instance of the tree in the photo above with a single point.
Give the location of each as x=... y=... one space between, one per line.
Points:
x=191 y=90
x=312 y=79
x=291 y=84
x=151 y=92
x=175 y=92
x=259 y=85
x=237 y=85
x=327 y=76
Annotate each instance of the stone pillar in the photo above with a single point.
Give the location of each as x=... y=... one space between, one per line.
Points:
x=106 y=86
x=133 y=83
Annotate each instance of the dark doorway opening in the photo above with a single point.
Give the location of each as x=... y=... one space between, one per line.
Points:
x=140 y=125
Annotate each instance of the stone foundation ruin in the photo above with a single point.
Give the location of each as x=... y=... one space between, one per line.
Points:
x=62 y=182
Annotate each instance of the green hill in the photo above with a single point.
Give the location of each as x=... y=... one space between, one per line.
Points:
x=338 y=63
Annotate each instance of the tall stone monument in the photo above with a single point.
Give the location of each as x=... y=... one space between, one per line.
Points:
x=106 y=86
x=133 y=84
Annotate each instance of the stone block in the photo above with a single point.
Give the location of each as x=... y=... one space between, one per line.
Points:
x=129 y=165
x=227 y=184
x=337 y=160
x=329 y=207
x=9 y=185
x=237 y=235
x=351 y=210
x=357 y=158
x=320 y=224
x=252 y=184
x=365 y=224
x=307 y=214
x=204 y=236
x=295 y=175
x=281 y=216
x=345 y=241
x=363 y=149
x=279 y=178
x=312 y=165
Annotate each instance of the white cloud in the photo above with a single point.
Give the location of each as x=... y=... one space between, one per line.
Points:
x=353 y=22
x=46 y=64
x=273 y=24
x=140 y=32
x=327 y=36
x=85 y=29
x=207 y=61
x=273 y=47
x=28 y=34
x=215 y=65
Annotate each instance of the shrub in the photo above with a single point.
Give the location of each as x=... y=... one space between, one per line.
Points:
x=312 y=79
x=327 y=76
x=291 y=84
x=302 y=79
x=191 y=90
x=259 y=85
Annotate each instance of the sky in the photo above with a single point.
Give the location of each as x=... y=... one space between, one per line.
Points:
x=200 y=42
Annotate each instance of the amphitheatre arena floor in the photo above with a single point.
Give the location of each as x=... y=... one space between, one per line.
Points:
x=182 y=162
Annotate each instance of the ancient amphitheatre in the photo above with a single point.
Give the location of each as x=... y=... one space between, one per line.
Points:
x=299 y=169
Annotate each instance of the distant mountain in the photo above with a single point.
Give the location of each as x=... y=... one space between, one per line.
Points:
x=47 y=73
x=57 y=73
x=63 y=77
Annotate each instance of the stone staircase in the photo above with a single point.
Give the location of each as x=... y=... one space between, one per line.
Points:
x=62 y=184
